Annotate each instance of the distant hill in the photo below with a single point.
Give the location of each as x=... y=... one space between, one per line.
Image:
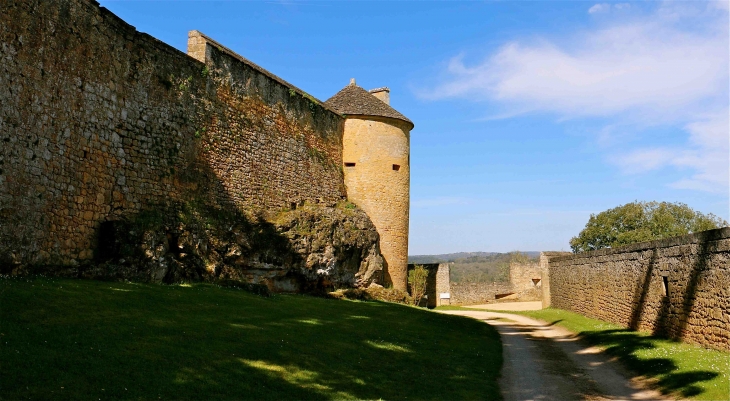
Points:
x=477 y=267
x=452 y=257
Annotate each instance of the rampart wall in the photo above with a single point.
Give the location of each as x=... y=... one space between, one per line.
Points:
x=544 y=262
x=677 y=287
x=526 y=280
x=98 y=121
x=479 y=293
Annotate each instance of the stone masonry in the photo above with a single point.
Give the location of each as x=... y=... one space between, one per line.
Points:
x=99 y=120
x=526 y=280
x=480 y=293
x=376 y=158
x=525 y=284
x=103 y=128
x=677 y=287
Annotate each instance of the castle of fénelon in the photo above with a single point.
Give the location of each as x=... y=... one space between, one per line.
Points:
x=123 y=157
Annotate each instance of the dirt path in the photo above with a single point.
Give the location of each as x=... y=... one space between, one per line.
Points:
x=544 y=362
x=509 y=306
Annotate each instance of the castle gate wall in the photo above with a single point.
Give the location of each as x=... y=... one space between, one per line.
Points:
x=678 y=287
x=377 y=177
x=526 y=280
x=98 y=120
x=480 y=293
x=544 y=262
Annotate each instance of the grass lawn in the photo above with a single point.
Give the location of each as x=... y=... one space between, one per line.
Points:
x=683 y=370
x=80 y=339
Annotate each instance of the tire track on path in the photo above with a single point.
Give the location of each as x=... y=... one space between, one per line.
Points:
x=546 y=362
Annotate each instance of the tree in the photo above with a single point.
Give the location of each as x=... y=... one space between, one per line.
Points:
x=642 y=221
x=417 y=280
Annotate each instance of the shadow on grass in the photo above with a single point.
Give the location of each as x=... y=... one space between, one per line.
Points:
x=79 y=339
x=625 y=344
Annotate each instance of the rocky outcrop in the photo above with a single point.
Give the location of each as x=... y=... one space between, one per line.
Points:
x=335 y=246
x=313 y=248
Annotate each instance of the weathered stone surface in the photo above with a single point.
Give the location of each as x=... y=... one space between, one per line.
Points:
x=524 y=285
x=311 y=249
x=678 y=287
x=377 y=176
x=336 y=247
x=479 y=293
x=100 y=123
x=526 y=279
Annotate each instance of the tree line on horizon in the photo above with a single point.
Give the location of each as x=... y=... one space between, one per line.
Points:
x=478 y=267
x=623 y=225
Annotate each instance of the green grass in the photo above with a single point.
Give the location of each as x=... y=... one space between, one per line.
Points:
x=79 y=339
x=683 y=370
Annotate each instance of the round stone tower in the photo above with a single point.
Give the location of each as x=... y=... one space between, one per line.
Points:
x=376 y=162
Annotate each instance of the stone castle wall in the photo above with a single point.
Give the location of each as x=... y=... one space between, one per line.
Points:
x=526 y=280
x=377 y=177
x=544 y=262
x=678 y=287
x=480 y=293
x=525 y=284
x=98 y=121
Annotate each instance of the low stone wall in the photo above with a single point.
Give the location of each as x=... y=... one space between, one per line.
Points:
x=478 y=293
x=678 y=287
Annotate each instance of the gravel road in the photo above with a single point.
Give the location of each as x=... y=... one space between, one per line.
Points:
x=546 y=362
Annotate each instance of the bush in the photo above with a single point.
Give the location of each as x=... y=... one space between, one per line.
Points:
x=417 y=281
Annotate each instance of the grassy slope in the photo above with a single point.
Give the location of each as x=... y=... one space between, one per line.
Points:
x=685 y=370
x=76 y=339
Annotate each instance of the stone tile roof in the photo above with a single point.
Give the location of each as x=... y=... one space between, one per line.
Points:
x=354 y=100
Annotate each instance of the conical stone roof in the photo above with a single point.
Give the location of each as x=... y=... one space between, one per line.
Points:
x=354 y=100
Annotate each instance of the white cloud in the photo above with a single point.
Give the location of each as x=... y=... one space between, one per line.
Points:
x=707 y=154
x=599 y=8
x=668 y=68
x=721 y=4
x=606 y=7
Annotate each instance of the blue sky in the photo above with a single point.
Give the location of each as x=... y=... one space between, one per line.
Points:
x=530 y=115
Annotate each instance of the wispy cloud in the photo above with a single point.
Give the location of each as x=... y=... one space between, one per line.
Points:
x=666 y=68
x=599 y=8
x=707 y=154
x=607 y=7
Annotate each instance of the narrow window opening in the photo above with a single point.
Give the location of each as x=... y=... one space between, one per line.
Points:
x=396 y=167
x=665 y=286
x=86 y=154
x=349 y=164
